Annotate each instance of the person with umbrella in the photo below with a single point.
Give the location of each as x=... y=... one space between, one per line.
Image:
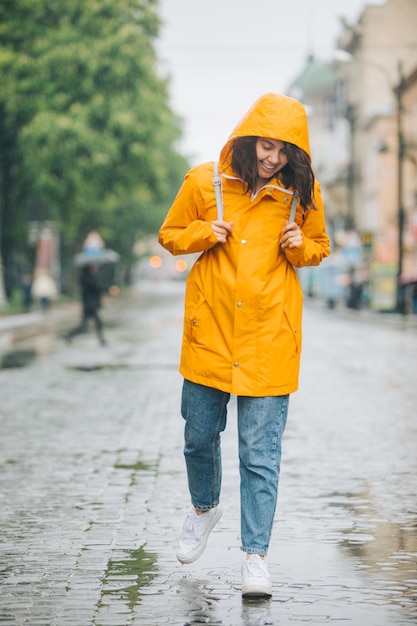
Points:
x=91 y=303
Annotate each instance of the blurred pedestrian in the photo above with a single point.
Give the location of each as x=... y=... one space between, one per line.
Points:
x=414 y=299
x=44 y=289
x=243 y=307
x=27 y=292
x=91 y=292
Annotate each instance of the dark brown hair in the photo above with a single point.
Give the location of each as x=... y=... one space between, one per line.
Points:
x=297 y=174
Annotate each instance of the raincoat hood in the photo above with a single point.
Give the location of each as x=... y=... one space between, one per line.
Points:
x=276 y=117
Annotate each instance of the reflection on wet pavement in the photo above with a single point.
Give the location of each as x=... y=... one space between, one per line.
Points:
x=387 y=553
x=199 y=602
x=256 y=612
x=127 y=573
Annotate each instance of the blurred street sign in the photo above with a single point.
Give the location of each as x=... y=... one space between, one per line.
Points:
x=352 y=249
x=367 y=241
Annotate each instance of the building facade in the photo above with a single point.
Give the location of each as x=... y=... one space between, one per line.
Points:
x=369 y=112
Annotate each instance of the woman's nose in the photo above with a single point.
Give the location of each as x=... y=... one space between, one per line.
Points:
x=274 y=157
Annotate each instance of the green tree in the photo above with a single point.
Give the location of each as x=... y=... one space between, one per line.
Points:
x=87 y=134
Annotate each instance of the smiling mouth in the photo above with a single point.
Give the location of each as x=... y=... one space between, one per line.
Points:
x=270 y=168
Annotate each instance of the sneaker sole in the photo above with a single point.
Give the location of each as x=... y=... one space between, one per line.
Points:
x=255 y=591
x=255 y=588
x=193 y=556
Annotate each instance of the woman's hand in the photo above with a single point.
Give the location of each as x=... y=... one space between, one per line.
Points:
x=221 y=229
x=291 y=237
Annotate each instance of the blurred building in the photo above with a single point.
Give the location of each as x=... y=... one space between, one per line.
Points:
x=363 y=124
x=317 y=88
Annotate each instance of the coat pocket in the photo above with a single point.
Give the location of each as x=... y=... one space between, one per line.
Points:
x=198 y=322
x=294 y=324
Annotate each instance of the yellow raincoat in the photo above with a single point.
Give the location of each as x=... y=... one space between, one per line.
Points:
x=243 y=303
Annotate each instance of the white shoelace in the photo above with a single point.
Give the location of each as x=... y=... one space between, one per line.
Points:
x=191 y=528
x=256 y=568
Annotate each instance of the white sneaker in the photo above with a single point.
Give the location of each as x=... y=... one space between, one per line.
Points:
x=256 y=580
x=195 y=532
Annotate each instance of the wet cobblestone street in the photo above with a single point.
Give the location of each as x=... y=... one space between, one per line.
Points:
x=93 y=487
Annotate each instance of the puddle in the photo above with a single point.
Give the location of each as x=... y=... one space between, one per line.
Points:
x=127 y=573
x=89 y=367
x=139 y=466
x=17 y=358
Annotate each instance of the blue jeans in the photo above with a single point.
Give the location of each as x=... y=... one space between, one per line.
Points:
x=261 y=424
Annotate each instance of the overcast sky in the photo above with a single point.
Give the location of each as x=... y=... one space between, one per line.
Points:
x=221 y=55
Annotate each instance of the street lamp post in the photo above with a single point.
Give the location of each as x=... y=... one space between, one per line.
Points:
x=400 y=304
x=2 y=294
x=350 y=115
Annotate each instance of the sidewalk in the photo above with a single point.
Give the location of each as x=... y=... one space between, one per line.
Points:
x=21 y=329
x=366 y=315
x=21 y=326
x=93 y=487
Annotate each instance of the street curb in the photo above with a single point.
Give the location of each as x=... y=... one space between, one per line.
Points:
x=366 y=316
x=16 y=331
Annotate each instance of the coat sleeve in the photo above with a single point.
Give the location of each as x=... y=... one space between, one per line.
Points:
x=187 y=227
x=316 y=243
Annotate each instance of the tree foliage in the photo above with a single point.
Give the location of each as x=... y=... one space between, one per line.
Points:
x=87 y=134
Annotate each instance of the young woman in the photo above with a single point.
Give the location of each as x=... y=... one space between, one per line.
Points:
x=242 y=325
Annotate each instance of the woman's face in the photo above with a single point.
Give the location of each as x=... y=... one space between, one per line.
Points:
x=271 y=157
